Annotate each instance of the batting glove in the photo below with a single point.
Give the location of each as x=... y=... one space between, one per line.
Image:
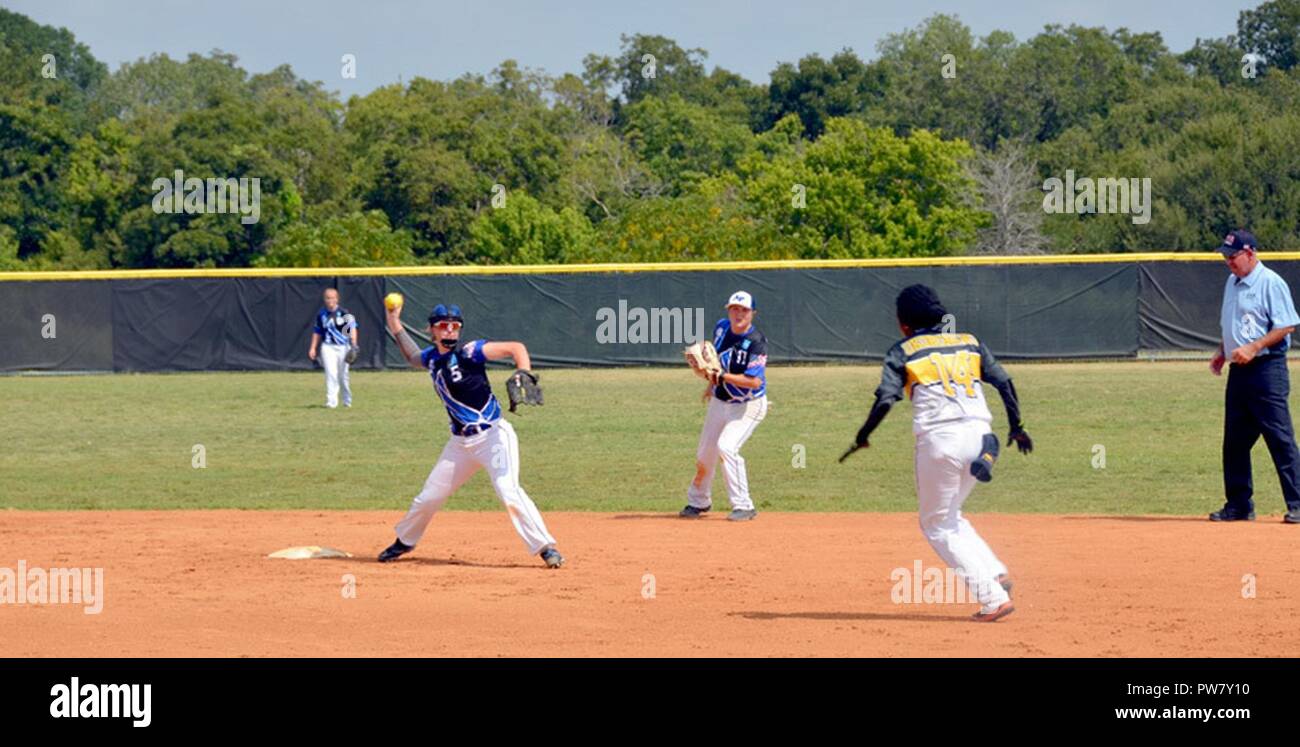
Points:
x=1021 y=440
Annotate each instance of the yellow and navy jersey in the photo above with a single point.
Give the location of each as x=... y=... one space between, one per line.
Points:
x=942 y=373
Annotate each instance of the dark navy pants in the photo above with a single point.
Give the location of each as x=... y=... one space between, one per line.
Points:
x=1256 y=405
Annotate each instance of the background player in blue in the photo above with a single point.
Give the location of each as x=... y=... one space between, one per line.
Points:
x=737 y=404
x=334 y=333
x=480 y=437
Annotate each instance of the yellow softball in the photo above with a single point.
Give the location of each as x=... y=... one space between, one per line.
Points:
x=393 y=301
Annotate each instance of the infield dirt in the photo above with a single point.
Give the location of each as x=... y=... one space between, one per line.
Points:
x=198 y=583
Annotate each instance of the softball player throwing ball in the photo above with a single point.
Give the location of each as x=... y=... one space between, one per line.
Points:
x=480 y=437
x=942 y=373
x=737 y=398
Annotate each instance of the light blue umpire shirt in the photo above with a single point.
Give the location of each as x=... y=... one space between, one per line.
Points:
x=1255 y=305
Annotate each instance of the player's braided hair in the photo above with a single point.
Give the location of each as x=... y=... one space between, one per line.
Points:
x=919 y=307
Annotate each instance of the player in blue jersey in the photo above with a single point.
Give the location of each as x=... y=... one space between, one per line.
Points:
x=737 y=404
x=334 y=333
x=480 y=437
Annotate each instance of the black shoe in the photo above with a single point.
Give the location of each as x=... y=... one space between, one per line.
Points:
x=394 y=551
x=691 y=512
x=1292 y=516
x=982 y=467
x=551 y=557
x=1231 y=514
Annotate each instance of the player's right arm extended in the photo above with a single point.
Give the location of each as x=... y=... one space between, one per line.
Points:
x=410 y=350
x=889 y=392
x=879 y=410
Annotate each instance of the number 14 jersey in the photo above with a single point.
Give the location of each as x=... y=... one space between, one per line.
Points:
x=942 y=373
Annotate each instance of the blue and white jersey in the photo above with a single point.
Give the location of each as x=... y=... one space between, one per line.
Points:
x=460 y=379
x=740 y=354
x=1253 y=306
x=334 y=326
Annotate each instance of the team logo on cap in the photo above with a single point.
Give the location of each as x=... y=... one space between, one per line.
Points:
x=1229 y=239
x=741 y=298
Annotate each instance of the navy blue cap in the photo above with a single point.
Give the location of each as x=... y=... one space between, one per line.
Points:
x=444 y=313
x=1236 y=241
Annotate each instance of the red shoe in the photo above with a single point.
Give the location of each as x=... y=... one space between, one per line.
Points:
x=987 y=617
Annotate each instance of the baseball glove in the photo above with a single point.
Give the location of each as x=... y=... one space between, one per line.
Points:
x=352 y=354
x=522 y=388
x=703 y=359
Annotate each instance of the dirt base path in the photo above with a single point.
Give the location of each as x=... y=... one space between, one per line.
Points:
x=197 y=583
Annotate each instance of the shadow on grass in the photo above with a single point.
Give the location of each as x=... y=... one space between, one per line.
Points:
x=851 y=616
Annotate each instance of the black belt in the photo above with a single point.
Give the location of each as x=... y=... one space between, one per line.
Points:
x=471 y=430
x=1262 y=358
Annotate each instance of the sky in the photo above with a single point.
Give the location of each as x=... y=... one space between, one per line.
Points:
x=396 y=40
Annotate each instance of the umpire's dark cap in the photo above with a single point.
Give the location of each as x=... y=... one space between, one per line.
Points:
x=1237 y=241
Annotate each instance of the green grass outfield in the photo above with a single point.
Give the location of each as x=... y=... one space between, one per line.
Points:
x=606 y=440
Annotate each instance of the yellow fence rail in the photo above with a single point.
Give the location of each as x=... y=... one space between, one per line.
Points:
x=780 y=264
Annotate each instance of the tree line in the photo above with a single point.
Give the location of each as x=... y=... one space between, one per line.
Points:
x=939 y=145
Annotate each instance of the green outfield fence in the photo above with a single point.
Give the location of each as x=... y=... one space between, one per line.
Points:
x=1041 y=307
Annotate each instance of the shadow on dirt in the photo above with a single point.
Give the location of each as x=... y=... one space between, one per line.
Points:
x=1197 y=519
x=851 y=616
x=459 y=562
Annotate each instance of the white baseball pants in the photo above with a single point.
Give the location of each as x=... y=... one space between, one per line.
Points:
x=497 y=451
x=943 y=481
x=336 y=374
x=727 y=426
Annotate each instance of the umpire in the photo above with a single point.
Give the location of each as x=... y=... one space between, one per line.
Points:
x=1257 y=318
